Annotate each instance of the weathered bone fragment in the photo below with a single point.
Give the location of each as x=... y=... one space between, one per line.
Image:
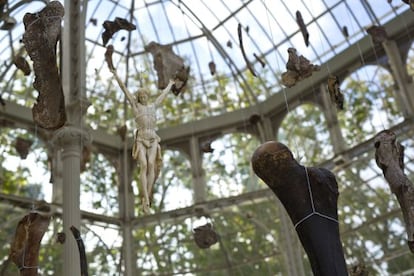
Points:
x=212 y=67
x=61 y=237
x=335 y=93
x=345 y=31
x=111 y=27
x=389 y=156
x=298 y=68
x=24 y=250
x=108 y=57
x=378 y=34
x=206 y=147
x=94 y=21
x=22 y=64
x=248 y=63
x=310 y=197
x=205 y=236
x=168 y=66
x=81 y=247
x=22 y=147
x=302 y=28
x=40 y=38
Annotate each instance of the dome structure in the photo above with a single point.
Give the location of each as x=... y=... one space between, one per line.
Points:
x=249 y=71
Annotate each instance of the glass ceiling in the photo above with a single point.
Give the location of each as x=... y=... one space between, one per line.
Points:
x=201 y=32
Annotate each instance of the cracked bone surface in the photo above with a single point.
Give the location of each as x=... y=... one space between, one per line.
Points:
x=389 y=156
x=168 y=66
x=310 y=197
x=42 y=32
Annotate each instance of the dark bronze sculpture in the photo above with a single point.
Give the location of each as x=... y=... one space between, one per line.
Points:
x=309 y=196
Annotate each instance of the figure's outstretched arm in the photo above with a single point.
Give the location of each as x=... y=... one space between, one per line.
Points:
x=164 y=92
x=123 y=88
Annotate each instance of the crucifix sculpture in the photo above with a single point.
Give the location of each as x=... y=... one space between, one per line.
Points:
x=146 y=148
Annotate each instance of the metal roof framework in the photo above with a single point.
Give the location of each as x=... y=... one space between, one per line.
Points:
x=207 y=32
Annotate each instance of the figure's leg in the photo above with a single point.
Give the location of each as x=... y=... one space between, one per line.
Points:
x=152 y=155
x=143 y=177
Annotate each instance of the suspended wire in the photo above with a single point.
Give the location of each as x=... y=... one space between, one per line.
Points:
x=255 y=42
x=335 y=20
x=377 y=109
x=233 y=147
x=311 y=11
x=294 y=19
x=235 y=72
x=314 y=211
x=169 y=25
x=205 y=92
x=152 y=21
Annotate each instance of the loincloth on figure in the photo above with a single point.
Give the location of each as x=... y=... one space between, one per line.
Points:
x=148 y=140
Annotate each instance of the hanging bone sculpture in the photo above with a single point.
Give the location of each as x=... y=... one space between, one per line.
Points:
x=111 y=27
x=22 y=147
x=298 y=68
x=378 y=34
x=335 y=93
x=24 y=249
x=248 y=63
x=22 y=64
x=168 y=66
x=42 y=32
x=302 y=27
x=389 y=156
x=310 y=197
x=205 y=236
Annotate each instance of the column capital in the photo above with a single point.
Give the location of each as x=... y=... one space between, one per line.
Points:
x=71 y=135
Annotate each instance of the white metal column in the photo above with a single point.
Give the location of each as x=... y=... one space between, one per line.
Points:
x=404 y=95
x=199 y=183
x=70 y=139
x=73 y=136
x=126 y=211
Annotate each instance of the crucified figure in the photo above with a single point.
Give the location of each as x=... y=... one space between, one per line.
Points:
x=146 y=148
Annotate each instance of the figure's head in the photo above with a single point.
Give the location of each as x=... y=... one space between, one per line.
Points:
x=142 y=96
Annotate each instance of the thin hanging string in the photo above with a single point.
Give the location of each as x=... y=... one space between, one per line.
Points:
x=184 y=16
x=326 y=63
x=377 y=109
x=313 y=212
x=32 y=196
x=278 y=66
x=23 y=267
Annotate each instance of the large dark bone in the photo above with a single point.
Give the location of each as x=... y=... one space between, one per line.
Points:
x=273 y=162
x=168 y=66
x=40 y=39
x=389 y=156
